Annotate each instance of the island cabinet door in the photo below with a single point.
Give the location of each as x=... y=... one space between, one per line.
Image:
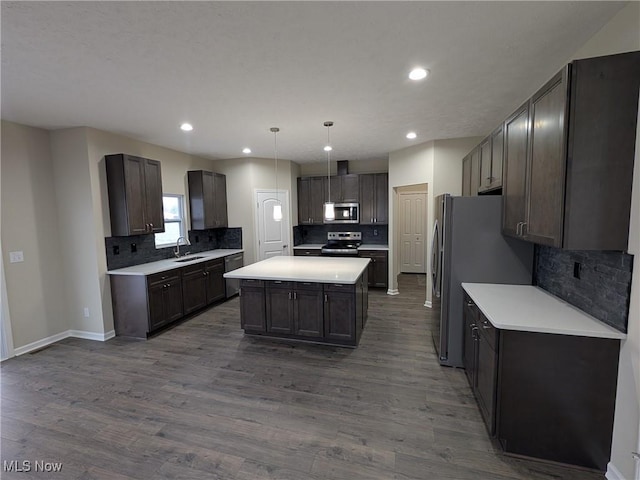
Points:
x=340 y=313
x=279 y=307
x=308 y=310
x=252 y=306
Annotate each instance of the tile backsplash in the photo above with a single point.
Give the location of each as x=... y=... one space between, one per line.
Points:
x=371 y=234
x=603 y=289
x=138 y=249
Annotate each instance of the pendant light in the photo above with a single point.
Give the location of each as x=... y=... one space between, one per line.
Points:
x=329 y=211
x=277 y=208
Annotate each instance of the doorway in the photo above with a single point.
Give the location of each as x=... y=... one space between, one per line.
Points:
x=273 y=238
x=412 y=231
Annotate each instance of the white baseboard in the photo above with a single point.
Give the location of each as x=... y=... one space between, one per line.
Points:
x=428 y=304
x=30 y=347
x=100 y=337
x=393 y=291
x=613 y=473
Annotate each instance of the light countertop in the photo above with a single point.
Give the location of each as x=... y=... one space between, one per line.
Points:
x=530 y=309
x=170 y=264
x=304 y=269
x=364 y=246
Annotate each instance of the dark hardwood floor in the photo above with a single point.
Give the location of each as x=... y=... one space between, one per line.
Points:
x=203 y=401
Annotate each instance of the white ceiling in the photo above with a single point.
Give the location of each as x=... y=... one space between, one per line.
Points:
x=235 y=69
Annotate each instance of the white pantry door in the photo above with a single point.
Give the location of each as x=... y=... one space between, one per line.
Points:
x=413 y=219
x=273 y=237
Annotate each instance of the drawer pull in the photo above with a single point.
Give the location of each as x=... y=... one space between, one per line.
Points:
x=470 y=304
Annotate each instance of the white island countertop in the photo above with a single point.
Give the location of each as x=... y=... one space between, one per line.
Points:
x=530 y=309
x=171 y=263
x=304 y=269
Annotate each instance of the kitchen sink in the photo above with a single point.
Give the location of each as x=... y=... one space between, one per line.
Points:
x=182 y=260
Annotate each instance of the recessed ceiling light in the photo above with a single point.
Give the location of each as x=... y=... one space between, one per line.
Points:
x=246 y=150
x=418 y=74
x=187 y=127
x=411 y=135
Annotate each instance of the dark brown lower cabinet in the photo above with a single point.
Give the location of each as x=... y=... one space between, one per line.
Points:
x=324 y=313
x=143 y=304
x=339 y=312
x=378 y=268
x=480 y=361
x=253 y=315
x=308 y=310
x=165 y=299
x=279 y=298
x=215 y=285
x=203 y=284
x=294 y=308
x=543 y=395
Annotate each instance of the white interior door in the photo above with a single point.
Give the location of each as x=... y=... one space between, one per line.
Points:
x=273 y=237
x=413 y=219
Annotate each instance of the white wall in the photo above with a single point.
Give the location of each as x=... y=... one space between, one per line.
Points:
x=244 y=176
x=439 y=165
x=622 y=34
x=35 y=288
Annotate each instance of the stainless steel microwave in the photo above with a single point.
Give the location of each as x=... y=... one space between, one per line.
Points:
x=346 y=213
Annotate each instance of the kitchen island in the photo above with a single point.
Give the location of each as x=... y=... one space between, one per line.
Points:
x=316 y=299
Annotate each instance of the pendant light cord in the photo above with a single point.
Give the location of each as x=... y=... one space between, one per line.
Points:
x=328 y=125
x=275 y=131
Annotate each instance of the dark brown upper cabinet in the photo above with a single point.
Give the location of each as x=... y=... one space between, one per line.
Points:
x=491 y=150
x=466 y=176
x=344 y=188
x=135 y=195
x=311 y=197
x=374 y=198
x=580 y=130
x=207 y=199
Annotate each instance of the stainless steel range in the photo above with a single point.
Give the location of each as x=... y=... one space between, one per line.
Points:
x=342 y=244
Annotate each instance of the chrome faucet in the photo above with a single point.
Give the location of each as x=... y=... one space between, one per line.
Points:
x=176 y=252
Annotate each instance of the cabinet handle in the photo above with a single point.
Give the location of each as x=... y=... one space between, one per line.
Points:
x=289 y=295
x=295 y=295
x=470 y=304
x=151 y=226
x=518 y=227
x=524 y=225
x=326 y=298
x=239 y=292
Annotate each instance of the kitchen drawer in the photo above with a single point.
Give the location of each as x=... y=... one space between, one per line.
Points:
x=312 y=252
x=163 y=276
x=251 y=282
x=308 y=286
x=488 y=331
x=340 y=287
x=218 y=262
x=198 y=267
x=278 y=284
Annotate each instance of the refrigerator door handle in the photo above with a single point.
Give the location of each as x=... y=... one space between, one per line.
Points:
x=435 y=260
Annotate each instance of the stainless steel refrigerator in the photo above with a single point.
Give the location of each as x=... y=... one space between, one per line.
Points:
x=468 y=246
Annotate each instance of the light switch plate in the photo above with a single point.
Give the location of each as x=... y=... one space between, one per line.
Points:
x=15 y=257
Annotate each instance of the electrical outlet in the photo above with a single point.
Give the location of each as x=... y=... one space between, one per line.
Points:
x=375 y=232
x=134 y=248
x=86 y=312
x=16 y=257
x=577 y=268
x=116 y=250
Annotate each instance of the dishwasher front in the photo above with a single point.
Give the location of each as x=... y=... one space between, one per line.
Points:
x=232 y=262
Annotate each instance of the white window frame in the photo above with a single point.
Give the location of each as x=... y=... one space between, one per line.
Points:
x=181 y=221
